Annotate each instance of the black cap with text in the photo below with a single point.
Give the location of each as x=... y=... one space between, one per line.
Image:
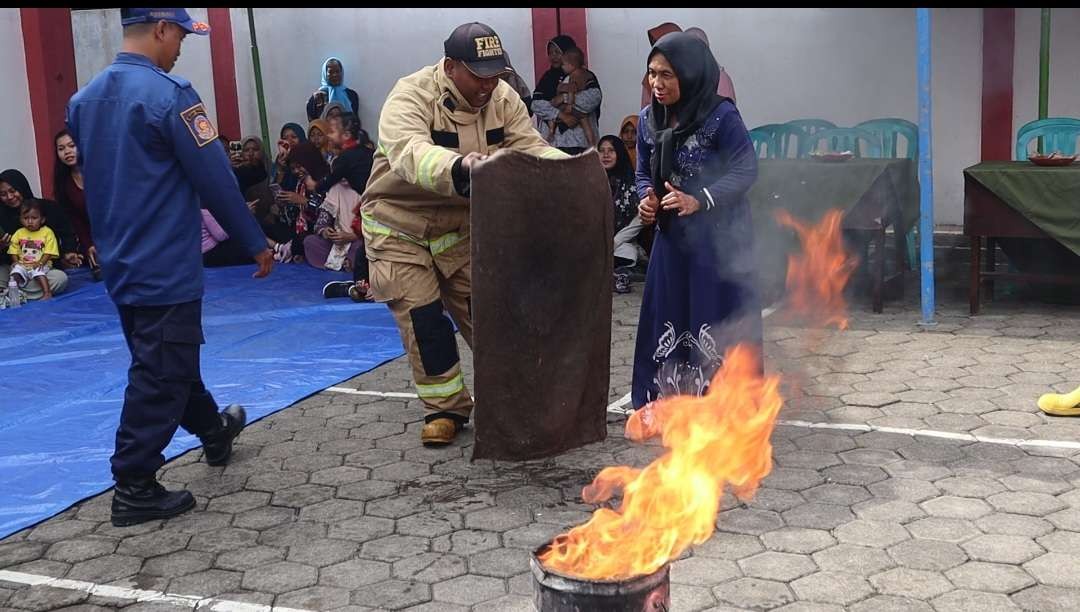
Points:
x=479 y=48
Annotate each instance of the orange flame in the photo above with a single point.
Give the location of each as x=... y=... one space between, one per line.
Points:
x=722 y=437
x=816 y=277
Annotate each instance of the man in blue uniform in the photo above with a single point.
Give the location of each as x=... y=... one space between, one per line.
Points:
x=150 y=156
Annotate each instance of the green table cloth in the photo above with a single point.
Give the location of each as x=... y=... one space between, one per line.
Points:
x=1047 y=196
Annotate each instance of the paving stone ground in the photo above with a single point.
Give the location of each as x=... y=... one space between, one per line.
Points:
x=333 y=504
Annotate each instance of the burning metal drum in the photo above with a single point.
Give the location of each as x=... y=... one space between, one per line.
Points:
x=556 y=592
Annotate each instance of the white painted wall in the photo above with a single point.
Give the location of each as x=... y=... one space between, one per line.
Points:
x=97 y=41
x=843 y=65
x=98 y=35
x=1064 y=98
x=18 y=149
x=376 y=46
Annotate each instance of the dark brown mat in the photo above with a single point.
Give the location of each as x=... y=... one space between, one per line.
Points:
x=541 y=265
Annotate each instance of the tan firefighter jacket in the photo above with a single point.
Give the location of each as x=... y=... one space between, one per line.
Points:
x=411 y=212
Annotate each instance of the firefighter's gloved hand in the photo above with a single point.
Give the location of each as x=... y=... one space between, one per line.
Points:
x=460 y=172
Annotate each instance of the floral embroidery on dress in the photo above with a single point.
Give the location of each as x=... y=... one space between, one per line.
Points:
x=677 y=377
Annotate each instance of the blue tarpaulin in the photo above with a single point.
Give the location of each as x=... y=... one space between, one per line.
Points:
x=269 y=343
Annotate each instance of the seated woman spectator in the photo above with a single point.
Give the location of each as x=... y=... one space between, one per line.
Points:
x=351 y=169
x=628 y=134
x=333 y=111
x=295 y=214
x=217 y=248
x=68 y=188
x=624 y=198
x=334 y=245
x=549 y=81
x=14 y=190
x=291 y=135
x=578 y=80
x=333 y=89
x=316 y=132
x=249 y=164
x=354 y=161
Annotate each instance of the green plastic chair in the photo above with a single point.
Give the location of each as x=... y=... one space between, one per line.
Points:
x=764 y=145
x=846 y=139
x=1058 y=134
x=888 y=130
x=806 y=128
x=811 y=126
x=788 y=139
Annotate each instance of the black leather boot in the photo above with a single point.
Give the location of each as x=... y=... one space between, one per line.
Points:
x=217 y=445
x=137 y=500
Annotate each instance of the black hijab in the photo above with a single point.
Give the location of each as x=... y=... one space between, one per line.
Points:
x=9 y=217
x=699 y=76
x=623 y=169
x=55 y=217
x=549 y=82
x=621 y=182
x=18 y=181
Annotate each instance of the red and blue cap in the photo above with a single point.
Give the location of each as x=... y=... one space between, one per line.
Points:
x=178 y=16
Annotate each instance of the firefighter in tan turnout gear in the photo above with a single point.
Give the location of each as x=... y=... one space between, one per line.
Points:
x=435 y=125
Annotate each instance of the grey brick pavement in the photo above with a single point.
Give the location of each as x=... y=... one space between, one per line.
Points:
x=332 y=504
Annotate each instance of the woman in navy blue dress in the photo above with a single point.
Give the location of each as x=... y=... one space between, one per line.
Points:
x=695 y=166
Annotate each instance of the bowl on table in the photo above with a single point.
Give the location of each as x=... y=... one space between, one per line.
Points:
x=832 y=156
x=1054 y=159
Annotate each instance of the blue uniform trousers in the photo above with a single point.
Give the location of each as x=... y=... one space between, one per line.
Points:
x=165 y=388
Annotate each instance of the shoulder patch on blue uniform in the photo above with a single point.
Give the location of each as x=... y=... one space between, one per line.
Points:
x=199 y=125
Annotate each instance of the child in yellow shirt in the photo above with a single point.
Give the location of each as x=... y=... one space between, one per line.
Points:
x=33 y=247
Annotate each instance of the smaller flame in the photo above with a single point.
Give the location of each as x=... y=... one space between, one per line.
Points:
x=816 y=277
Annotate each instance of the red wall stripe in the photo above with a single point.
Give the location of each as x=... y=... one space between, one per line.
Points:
x=224 y=65
x=999 y=41
x=545 y=26
x=50 y=73
x=574 y=26
x=544 y=29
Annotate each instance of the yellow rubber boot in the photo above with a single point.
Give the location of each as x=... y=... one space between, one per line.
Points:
x=1061 y=404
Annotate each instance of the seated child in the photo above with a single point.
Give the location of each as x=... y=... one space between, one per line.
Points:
x=33 y=247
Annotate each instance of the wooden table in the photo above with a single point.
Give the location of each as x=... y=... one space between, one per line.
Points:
x=988 y=215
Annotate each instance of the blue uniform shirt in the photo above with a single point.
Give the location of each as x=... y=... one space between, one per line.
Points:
x=149 y=158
